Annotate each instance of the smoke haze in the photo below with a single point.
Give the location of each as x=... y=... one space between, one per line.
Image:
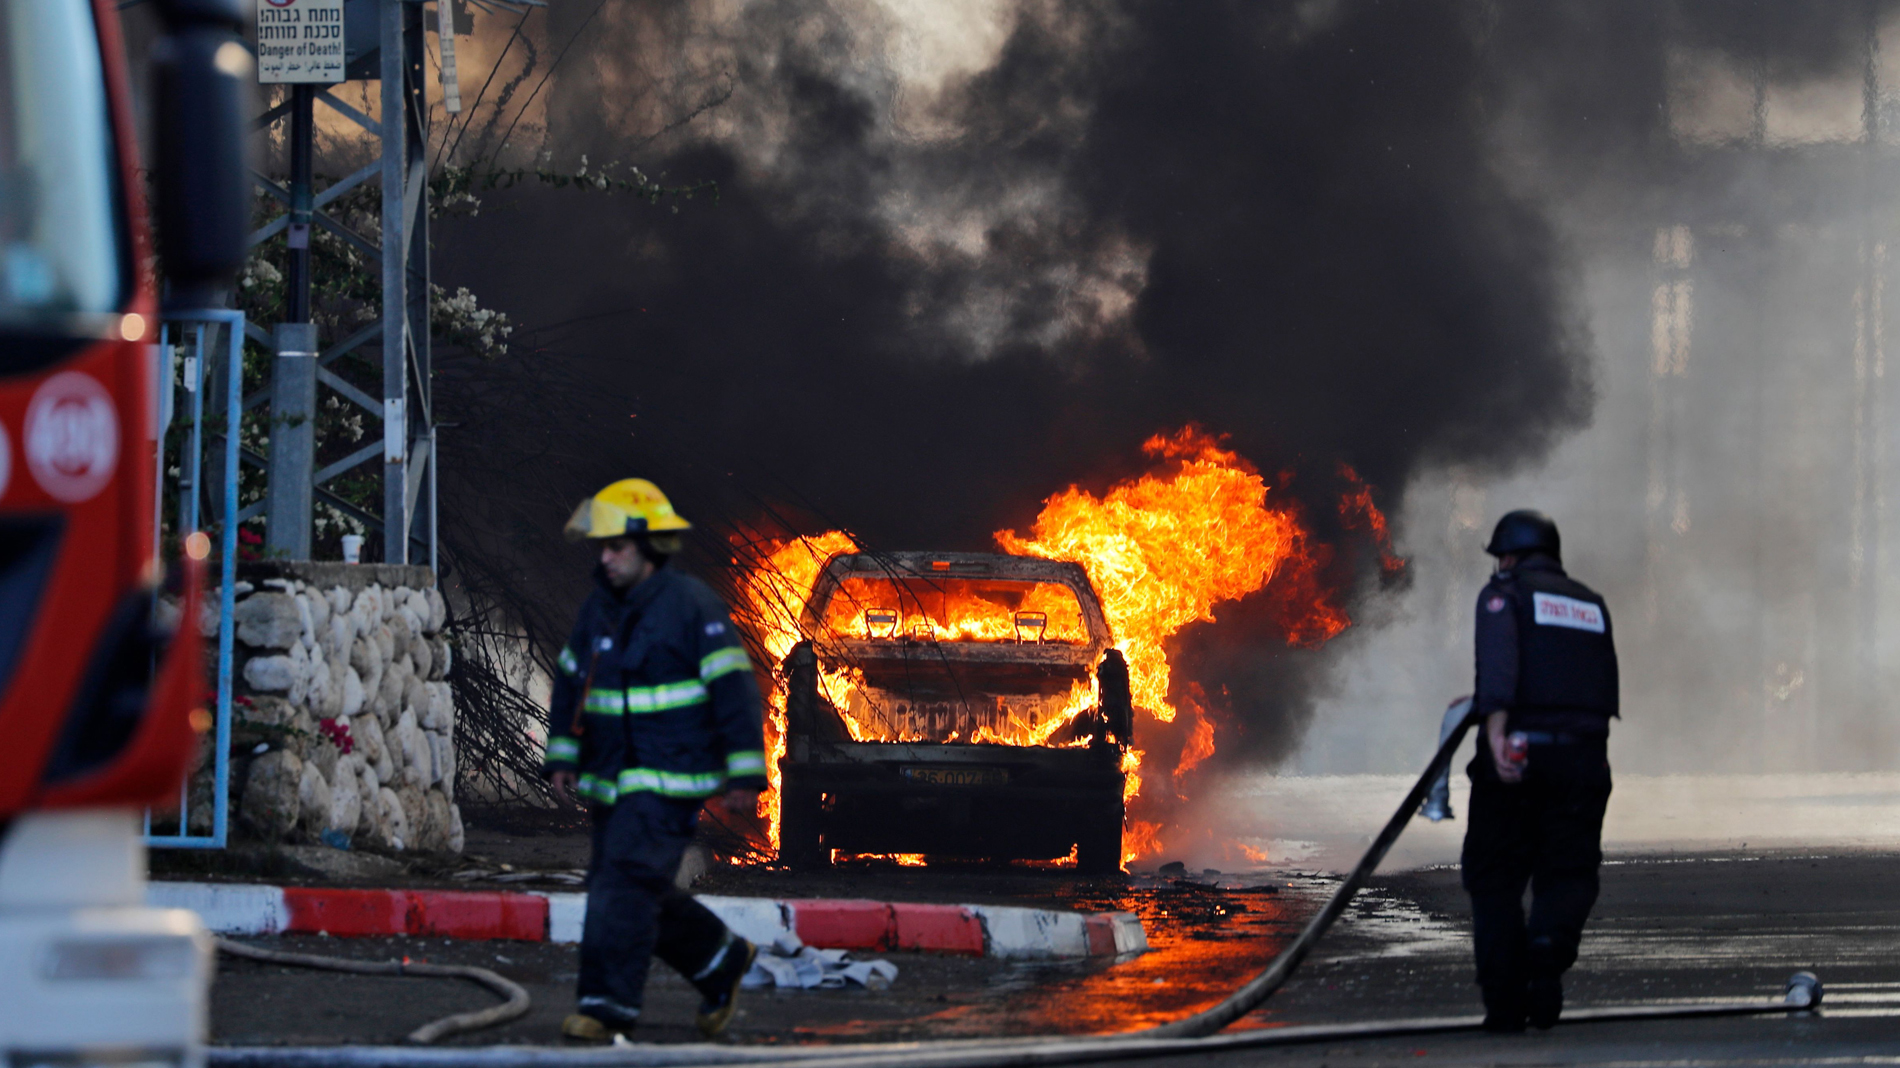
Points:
x=1600 y=258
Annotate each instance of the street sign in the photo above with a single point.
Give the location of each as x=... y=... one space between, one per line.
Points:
x=299 y=41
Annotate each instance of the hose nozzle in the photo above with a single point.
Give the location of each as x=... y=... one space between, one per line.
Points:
x=1803 y=992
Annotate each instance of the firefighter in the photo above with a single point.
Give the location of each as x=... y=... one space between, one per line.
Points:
x=1546 y=692
x=654 y=712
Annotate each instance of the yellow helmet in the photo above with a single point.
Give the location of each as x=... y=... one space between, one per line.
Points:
x=631 y=506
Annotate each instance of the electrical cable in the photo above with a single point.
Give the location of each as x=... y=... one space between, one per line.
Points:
x=516 y=1003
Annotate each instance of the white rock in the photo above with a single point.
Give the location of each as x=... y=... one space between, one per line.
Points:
x=438 y=610
x=440 y=713
x=342 y=629
x=388 y=700
x=270 y=674
x=366 y=790
x=415 y=694
x=418 y=605
x=346 y=800
x=369 y=604
x=339 y=599
x=440 y=669
x=385 y=641
x=287 y=586
x=307 y=622
x=208 y=616
x=439 y=818
x=402 y=627
x=422 y=652
x=268 y=621
x=393 y=818
x=369 y=664
x=373 y=745
x=441 y=760
x=413 y=746
x=397 y=598
x=319 y=604
x=415 y=806
x=271 y=789
x=456 y=838
x=313 y=799
x=352 y=693
x=326 y=698
x=300 y=675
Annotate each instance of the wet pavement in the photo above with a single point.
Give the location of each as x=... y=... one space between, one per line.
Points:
x=1668 y=930
x=1706 y=916
x=1204 y=939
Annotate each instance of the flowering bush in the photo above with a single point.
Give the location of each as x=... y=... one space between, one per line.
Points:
x=338 y=732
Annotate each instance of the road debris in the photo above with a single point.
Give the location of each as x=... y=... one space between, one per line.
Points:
x=790 y=964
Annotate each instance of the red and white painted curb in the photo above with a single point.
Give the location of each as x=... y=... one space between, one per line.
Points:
x=970 y=930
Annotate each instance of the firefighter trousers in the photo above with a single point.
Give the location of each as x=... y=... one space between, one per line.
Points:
x=634 y=912
x=1544 y=833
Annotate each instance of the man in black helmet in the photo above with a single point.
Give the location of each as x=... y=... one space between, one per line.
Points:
x=1546 y=692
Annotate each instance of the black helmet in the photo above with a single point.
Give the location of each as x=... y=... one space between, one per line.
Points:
x=1524 y=531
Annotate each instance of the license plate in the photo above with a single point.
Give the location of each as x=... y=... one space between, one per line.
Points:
x=957 y=776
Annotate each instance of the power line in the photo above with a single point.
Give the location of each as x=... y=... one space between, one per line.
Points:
x=550 y=72
x=469 y=116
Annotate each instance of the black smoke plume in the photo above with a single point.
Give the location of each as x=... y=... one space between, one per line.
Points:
x=1322 y=228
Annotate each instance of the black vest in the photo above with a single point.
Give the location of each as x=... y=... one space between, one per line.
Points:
x=1566 y=649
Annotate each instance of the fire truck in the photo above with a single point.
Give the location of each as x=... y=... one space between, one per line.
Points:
x=100 y=705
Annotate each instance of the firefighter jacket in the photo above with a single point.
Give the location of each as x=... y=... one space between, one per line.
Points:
x=655 y=694
x=1546 y=651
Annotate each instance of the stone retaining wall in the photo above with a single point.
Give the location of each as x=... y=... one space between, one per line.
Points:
x=343 y=723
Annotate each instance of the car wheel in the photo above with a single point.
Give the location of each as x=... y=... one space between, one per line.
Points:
x=800 y=845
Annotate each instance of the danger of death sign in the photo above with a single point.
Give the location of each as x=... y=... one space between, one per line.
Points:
x=299 y=41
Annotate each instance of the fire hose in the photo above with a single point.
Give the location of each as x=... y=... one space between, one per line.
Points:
x=515 y=1005
x=1196 y=1034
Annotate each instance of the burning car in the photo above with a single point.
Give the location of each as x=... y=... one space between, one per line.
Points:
x=961 y=704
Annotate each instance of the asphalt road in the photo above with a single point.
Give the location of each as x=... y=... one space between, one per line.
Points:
x=1669 y=929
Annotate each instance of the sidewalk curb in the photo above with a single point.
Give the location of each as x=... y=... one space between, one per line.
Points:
x=1004 y=932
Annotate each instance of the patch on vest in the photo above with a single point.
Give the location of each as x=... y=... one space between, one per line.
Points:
x=1495 y=604
x=1550 y=610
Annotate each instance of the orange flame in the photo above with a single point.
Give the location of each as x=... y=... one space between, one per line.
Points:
x=774 y=594
x=1163 y=551
x=1357 y=511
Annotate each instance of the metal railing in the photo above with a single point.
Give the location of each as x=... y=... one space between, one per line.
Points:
x=191 y=329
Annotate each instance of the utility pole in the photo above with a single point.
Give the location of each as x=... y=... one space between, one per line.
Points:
x=384 y=41
x=293 y=400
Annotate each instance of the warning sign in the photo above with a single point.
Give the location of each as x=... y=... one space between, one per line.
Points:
x=299 y=41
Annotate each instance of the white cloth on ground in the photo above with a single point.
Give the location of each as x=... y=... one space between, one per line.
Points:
x=791 y=965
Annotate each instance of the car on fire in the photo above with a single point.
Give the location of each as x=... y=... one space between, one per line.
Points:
x=954 y=704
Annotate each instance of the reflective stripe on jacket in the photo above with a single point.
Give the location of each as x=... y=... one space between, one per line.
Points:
x=672 y=707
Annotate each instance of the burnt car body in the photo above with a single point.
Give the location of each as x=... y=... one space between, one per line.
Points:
x=991 y=713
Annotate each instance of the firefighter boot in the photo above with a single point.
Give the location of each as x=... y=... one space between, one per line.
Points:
x=1503 y=1009
x=719 y=984
x=598 y=1019
x=1544 y=996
